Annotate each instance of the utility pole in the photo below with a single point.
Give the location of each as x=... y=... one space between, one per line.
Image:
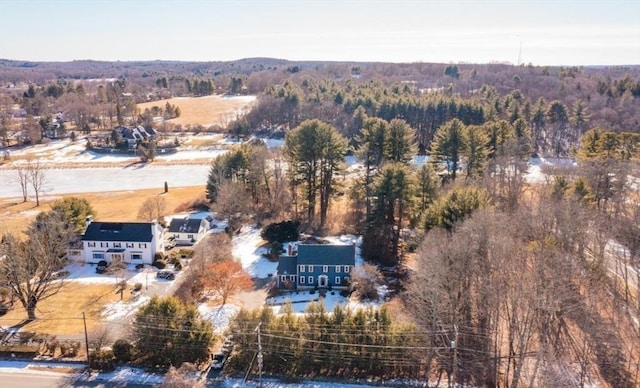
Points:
x=86 y=339
x=259 y=355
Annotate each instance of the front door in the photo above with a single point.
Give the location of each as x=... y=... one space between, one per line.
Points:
x=323 y=281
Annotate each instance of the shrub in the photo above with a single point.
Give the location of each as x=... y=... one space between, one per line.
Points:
x=51 y=346
x=69 y=348
x=122 y=350
x=185 y=253
x=160 y=264
x=281 y=231
x=102 y=360
x=137 y=287
x=178 y=266
x=158 y=256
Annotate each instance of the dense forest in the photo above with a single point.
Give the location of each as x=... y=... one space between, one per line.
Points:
x=505 y=281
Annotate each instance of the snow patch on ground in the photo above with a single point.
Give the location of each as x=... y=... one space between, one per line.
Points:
x=219 y=316
x=120 y=309
x=248 y=250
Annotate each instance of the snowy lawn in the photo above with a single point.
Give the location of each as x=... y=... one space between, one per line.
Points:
x=248 y=250
x=219 y=316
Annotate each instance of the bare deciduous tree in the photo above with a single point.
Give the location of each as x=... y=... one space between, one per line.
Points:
x=29 y=267
x=232 y=203
x=22 y=177
x=152 y=208
x=35 y=173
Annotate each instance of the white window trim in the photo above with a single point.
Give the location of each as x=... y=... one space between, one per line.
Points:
x=310 y=279
x=337 y=279
x=325 y=268
x=301 y=268
x=309 y=268
x=302 y=278
x=337 y=269
x=347 y=268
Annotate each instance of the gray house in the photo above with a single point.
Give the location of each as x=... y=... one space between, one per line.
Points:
x=188 y=230
x=316 y=266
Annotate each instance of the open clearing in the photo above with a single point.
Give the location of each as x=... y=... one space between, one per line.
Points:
x=205 y=111
x=61 y=314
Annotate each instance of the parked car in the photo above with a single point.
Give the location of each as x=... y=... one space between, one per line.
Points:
x=170 y=243
x=164 y=274
x=218 y=361
x=102 y=266
x=227 y=346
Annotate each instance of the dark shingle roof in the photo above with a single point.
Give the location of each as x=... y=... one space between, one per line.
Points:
x=322 y=254
x=287 y=265
x=119 y=231
x=185 y=225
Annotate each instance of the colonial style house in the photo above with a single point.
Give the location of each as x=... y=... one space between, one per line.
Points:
x=188 y=230
x=316 y=266
x=136 y=134
x=129 y=242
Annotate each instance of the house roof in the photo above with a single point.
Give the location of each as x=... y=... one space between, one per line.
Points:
x=119 y=231
x=322 y=254
x=185 y=225
x=287 y=265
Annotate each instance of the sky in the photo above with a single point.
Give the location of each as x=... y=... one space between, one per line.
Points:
x=541 y=32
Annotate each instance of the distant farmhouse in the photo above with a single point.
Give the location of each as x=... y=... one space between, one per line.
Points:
x=316 y=266
x=135 y=135
x=127 y=242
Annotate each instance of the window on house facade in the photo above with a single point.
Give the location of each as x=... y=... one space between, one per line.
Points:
x=142 y=245
x=103 y=245
x=301 y=268
x=283 y=278
x=292 y=278
x=190 y=236
x=136 y=256
x=129 y=245
x=346 y=268
x=302 y=279
x=310 y=279
x=338 y=269
x=116 y=257
x=91 y=244
x=337 y=279
x=117 y=245
x=325 y=268
x=98 y=255
x=309 y=268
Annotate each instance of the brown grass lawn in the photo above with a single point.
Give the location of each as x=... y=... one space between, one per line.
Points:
x=109 y=206
x=206 y=111
x=61 y=314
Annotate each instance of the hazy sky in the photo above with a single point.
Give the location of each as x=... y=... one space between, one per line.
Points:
x=543 y=32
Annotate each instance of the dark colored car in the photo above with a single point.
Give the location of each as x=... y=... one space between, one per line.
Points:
x=218 y=361
x=102 y=266
x=168 y=275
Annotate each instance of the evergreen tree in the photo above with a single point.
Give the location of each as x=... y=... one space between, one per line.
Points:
x=316 y=152
x=448 y=146
x=168 y=332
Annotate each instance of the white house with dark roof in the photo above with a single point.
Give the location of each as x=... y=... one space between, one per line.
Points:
x=136 y=134
x=128 y=242
x=316 y=266
x=190 y=229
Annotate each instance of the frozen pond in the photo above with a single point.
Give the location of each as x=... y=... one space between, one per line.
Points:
x=96 y=179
